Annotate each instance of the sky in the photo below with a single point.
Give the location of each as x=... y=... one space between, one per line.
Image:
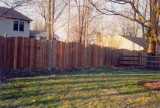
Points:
x=108 y=23
x=62 y=21
x=61 y=31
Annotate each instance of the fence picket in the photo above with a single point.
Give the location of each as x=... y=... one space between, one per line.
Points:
x=18 y=52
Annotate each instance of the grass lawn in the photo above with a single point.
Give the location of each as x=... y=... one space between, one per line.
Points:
x=115 y=89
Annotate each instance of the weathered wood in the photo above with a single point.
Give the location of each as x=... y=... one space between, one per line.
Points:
x=15 y=53
x=26 y=52
x=1 y=53
x=54 y=53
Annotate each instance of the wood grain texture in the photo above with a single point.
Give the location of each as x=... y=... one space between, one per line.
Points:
x=18 y=52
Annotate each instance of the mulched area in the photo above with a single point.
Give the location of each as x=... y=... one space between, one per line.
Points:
x=29 y=72
x=151 y=85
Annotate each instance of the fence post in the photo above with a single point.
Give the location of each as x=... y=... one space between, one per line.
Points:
x=50 y=55
x=5 y=35
x=67 y=54
x=120 y=59
x=5 y=51
x=140 y=60
x=1 y=54
x=15 y=52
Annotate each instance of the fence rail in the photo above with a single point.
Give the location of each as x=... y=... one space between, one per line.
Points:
x=141 y=61
x=18 y=52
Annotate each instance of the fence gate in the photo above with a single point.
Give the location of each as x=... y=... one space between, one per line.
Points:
x=130 y=61
x=140 y=61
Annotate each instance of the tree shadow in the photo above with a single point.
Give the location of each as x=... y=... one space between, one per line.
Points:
x=57 y=100
x=109 y=83
x=72 y=82
x=19 y=93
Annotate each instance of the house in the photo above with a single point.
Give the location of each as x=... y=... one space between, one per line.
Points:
x=14 y=23
x=125 y=42
x=41 y=35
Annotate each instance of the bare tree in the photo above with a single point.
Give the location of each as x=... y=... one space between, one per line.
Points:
x=69 y=18
x=38 y=26
x=84 y=23
x=50 y=11
x=14 y=4
x=40 y=7
x=129 y=28
x=48 y=20
x=149 y=22
x=89 y=32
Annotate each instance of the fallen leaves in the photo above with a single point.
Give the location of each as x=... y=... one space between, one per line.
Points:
x=152 y=85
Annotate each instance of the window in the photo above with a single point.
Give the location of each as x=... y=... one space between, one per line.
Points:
x=21 y=26
x=18 y=26
x=15 y=26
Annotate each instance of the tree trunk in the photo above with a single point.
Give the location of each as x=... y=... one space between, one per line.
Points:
x=48 y=19
x=151 y=47
x=153 y=35
x=79 y=12
x=152 y=41
x=52 y=19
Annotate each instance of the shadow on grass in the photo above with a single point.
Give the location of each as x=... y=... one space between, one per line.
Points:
x=75 y=77
x=72 y=82
x=110 y=82
x=19 y=94
x=100 y=85
x=27 y=73
x=55 y=101
x=110 y=71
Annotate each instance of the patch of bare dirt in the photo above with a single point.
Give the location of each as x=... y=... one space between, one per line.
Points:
x=152 y=85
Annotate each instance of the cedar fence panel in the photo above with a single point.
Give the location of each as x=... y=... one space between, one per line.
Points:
x=88 y=56
x=1 y=53
x=32 y=58
x=79 y=55
x=18 y=52
x=63 y=56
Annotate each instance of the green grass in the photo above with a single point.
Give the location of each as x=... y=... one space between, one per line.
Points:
x=112 y=89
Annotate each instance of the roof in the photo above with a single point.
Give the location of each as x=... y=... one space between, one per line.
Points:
x=138 y=40
x=38 y=33
x=12 y=14
x=35 y=32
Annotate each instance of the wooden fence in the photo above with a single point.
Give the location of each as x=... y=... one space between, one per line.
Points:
x=141 y=61
x=18 y=52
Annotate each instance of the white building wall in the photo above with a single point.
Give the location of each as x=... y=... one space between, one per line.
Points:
x=127 y=44
x=6 y=26
x=120 y=42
